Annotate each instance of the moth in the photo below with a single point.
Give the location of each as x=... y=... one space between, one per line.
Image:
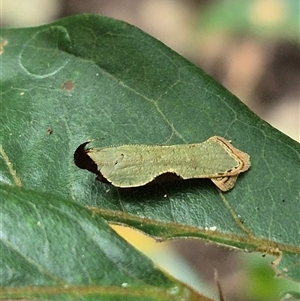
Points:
x=128 y=166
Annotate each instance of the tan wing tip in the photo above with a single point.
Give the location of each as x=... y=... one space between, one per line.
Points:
x=225 y=183
x=243 y=157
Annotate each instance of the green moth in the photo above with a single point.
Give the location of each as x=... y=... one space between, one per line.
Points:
x=128 y=166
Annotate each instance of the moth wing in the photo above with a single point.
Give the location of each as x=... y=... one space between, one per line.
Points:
x=125 y=166
x=126 y=175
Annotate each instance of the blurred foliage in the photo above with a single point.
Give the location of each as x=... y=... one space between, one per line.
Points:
x=261 y=283
x=265 y=19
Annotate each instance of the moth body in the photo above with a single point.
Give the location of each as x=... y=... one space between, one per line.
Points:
x=137 y=165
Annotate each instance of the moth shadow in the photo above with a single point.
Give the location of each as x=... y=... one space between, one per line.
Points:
x=163 y=187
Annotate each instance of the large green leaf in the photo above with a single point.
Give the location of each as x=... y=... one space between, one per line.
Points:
x=67 y=250
x=91 y=77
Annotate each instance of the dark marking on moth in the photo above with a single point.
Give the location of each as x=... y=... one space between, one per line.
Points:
x=83 y=160
x=165 y=177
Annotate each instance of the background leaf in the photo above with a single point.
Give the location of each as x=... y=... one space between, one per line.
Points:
x=93 y=77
